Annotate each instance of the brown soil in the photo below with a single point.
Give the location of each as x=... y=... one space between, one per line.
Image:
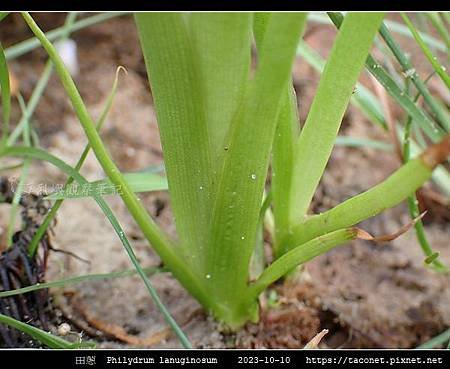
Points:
x=368 y=295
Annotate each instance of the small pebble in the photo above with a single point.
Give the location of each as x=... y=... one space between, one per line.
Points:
x=64 y=329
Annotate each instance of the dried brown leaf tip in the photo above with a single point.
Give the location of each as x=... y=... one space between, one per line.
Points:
x=314 y=343
x=363 y=235
x=437 y=153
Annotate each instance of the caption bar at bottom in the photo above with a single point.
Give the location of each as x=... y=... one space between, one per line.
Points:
x=231 y=358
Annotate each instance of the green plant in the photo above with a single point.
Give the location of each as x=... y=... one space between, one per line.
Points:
x=405 y=86
x=46 y=338
x=222 y=124
x=435 y=121
x=135 y=180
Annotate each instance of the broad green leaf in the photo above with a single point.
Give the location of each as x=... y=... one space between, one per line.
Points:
x=139 y=182
x=335 y=89
x=362 y=97
x=238 y=201
x=222 y=48
x=173 y=71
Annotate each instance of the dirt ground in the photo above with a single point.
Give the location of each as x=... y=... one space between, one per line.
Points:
x=368 y=295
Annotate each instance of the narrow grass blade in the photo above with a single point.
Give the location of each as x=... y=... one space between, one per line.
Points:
x=15 y=203
x=61 y=283
x=393 y=26
x=439 y=69
x=23 y=176
x=434 y=132
x=32 y=247
x=438 y=110
x=428 y=251
x=6 y=95
x=440 y=27
x=156 y=299
x=24 y=127
x=39 y=89
x=32 y=103
x=335 y=89
x=387 y=194
x=139 y=182
x=45 y=338
x=30 y=44
x=241 y=185
x=171 y=59
x=413 y=206
x=221 y=43
x=43 y=155
x=350 y=141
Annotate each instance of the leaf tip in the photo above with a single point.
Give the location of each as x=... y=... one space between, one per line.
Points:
x=364 y=235
x=314 y=343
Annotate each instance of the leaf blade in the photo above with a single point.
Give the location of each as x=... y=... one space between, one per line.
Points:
x=386 y=194
x=240 y=190
x=174 y=79
x=299 y=255
x=222 y=44
x=341 y=73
